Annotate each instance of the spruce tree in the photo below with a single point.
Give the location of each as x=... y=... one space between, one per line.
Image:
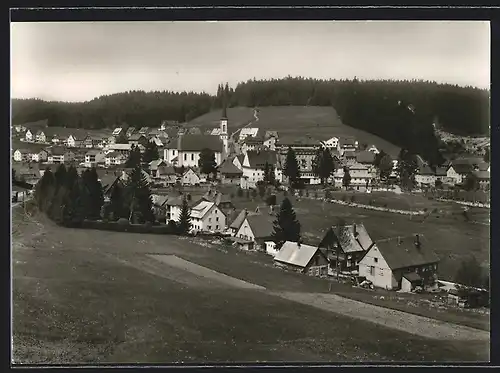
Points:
x=60 y=176
x=44 y=190
x=206 y=162
x=71 y=177
x=184 y=223
x=291 y=169
x=269 y=178
x=323 y=164
x=92 y=194
x=138 y=197
x=406 y=169
x=117 y=203
x=286 y=227
x=346 y=180
x=73 y=209
x=150 y=153
x=134 y=158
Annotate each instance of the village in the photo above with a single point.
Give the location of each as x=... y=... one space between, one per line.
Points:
x=252 y=162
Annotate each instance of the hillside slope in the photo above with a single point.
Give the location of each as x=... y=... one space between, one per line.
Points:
x=318 y=122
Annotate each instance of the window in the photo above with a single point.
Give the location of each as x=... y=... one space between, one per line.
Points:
x=185 y=156
x=217 y=218
x=216 y=227
x=372 y=271
x=209 y=220
x=192 y=157
x=209 y=227
x=375 y=260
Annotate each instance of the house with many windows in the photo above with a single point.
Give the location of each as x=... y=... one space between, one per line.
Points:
x=185 y=150
x=58 y=154
x=257 y=228
x=253 y=166
x=207 y=216
x=94 y=157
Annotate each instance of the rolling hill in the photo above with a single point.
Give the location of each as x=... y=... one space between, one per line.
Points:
x=319 y=122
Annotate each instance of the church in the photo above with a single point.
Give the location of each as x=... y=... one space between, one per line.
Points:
x=185 y=149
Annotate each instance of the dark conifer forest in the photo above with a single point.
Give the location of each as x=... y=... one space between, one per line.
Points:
x=402 y=112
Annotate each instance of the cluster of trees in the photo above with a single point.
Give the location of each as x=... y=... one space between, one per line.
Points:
x=135 y=158
x=402 y=112
x=470 y=273
x=135 y=108
x=407 y=169
x=69 y=198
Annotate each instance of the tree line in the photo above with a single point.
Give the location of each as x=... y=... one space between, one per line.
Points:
x=401 y=112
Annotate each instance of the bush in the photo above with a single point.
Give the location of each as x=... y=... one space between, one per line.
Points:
x=271 y=200
x=123 y=221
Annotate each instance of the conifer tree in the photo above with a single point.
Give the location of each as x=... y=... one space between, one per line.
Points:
x=291 y=169
x=44 y=190
x=150 y=153
x=269 y=178
x=92 y=194
x=138 y=197
x=184 y=223
x=206 y=162
x=134 y=158
x=73 y=209
x=346 y=180
x=117 y=203
x=406 y=169
x=60 y=176
x=323 y=164
x=286 y=227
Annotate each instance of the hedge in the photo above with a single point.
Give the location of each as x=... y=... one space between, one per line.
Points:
x=131 y=228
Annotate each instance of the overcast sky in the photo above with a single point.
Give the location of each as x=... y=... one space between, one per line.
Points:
x=79 y=61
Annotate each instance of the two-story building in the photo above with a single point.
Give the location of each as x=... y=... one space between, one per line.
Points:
x=94 y=157
x=58 y=154
x=305 y=152
x=257 y=228
x=185 y=150
x=254 y=163
x=207 y=216
x=400 y=263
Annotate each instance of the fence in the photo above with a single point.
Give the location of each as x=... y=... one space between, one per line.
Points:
x=130 y=228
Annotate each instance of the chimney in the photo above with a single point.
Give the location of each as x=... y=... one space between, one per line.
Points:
x=179 y=139
x=355 y=232
x=417 y=241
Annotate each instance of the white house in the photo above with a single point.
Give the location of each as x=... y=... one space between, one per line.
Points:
x=425 y=176
x=115 y=158
x=58 y=154
x=257 y=228
x=40 y=136
x=120 y=148
x=400 y=263
x=21 y=154
x=39 y=156
x=331 y=143
x=206 y=216
x=190 y=177
x=185 y=151
x=93 y=157
x=254 y=164
x=73 y=141
x=459 y=171
x=28 y=136
x=248 y=132
x=270 y=143
x=373 y=149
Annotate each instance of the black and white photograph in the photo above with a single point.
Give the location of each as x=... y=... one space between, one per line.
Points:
x=250 y=192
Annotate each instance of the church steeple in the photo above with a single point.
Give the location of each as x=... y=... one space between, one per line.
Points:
x=223 y=123
x=225 y=99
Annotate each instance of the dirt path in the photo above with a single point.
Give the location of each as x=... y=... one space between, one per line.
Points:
x=403 y=321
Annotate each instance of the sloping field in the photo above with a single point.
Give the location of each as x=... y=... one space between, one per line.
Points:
x=84 y=296
x=321 y=123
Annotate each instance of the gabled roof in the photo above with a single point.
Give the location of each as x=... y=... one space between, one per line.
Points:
x=295 y=254
x=350 y=154
x=236 y=224
x=347 y=141
x=120 y=147
x=261 y=225
x=258 y=158
x=228 y=167
x=166 y=170
x=269 y=134
x=482 y=175
x=136 y=136
x=349 y=241
x=57 y=150
x=93 y=152
x=425 y=170
x=201 y=209
x=365 y=157
x=114 y=155
x=402 y=252
x=197 y=143
x=462 y=168
x=294 y=141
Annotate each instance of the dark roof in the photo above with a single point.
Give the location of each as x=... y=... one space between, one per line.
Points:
x=258 y=158
x=412 y=276
x=269 y=134
x=297 y=141
x=482 y=175
x=57 y=150
x=483 y=166
x=347 y=141
x=350 y=153
x=441 y=171
x=462 y=168
x=405 y=253
x=425 y=170
x=197 y=143
x=236 y=224
x=365 y=157
x=166 y=170
x=261 y=225
x=349 y=242
x=136 y=136
x=228 y=167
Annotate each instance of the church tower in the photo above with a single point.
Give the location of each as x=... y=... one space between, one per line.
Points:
x=223 y=131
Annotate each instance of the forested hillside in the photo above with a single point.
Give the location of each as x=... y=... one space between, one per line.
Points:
x=402 y=112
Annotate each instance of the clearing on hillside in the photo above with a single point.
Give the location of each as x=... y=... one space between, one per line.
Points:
x=320 y=122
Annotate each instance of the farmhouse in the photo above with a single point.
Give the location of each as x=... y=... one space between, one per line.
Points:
x=229 y=173
x=185 y=150
x=21 y=155
x=115 y=158
x=303 y=258
x=257 y=228
x=347 y=143
x=153 y=165
x=207 y=216
x=400 y=263
x=39 y=155
x=237 y=222
x=190 y=177
x=457 y=172
x=120 y=148
x=331 y=143
x=270 y=143
x=117 y=131
x=483 y=178
x=344 y=246
x=365 y=157
x=425 y=176
x=165 y=175
x=58 y=154
x=253 y=167
x=138 y=139
x=94 y=157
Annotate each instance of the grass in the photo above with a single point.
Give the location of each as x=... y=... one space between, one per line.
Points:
x=319 y=122
x=75 y=301
x=453 y=238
